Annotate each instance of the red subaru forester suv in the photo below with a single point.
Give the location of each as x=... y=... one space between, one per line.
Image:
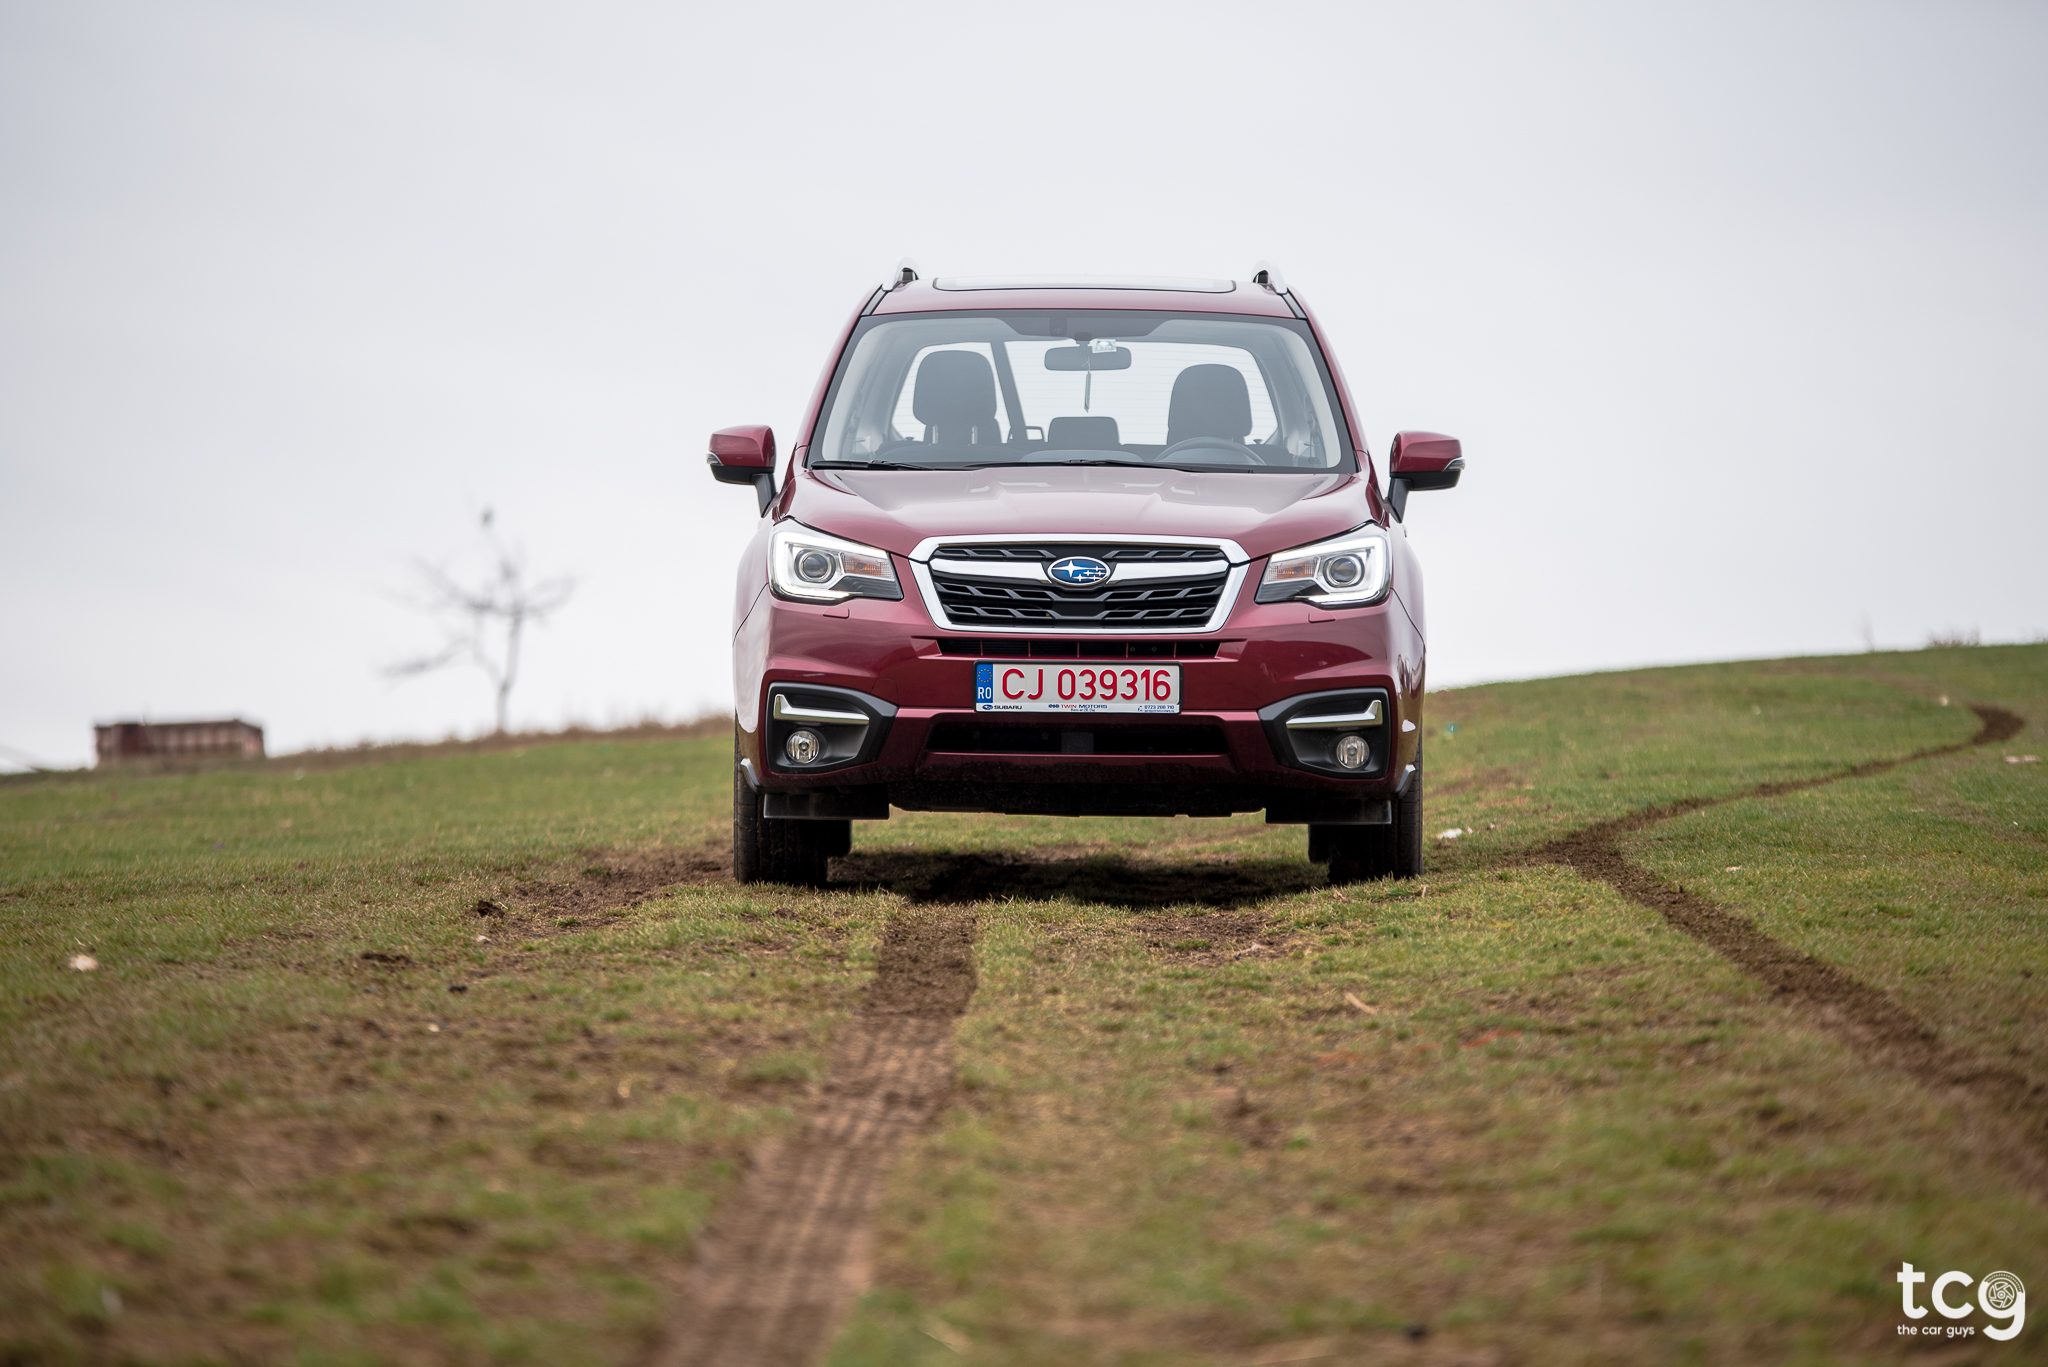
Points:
x=1105 y=547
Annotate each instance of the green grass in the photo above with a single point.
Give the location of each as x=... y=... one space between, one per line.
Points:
x=1563 y=1132
x=1568 y=1133
x=257 y=1143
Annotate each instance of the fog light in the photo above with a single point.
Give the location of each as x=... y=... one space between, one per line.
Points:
x=1351 y=751
x=804 y=747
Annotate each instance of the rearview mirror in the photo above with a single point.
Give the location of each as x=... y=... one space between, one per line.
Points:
x=1422 y=460
x=1093 y=357
x=745 y=455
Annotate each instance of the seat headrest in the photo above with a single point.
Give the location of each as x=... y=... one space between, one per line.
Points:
x=1082 y=434
x=956 y=389
x=1209 y=401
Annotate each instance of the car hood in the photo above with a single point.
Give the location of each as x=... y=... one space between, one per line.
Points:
x=897 y=509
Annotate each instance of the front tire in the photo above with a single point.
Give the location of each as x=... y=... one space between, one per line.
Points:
x=746 y=824
x=1359 y=854
x=766 y=850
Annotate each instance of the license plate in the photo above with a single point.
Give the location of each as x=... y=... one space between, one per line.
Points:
x=1036 y=686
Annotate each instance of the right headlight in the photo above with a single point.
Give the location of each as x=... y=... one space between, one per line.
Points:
x=1348 y=571
x=824 y=569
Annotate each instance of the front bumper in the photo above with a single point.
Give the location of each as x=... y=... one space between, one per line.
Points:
x=1228 y=750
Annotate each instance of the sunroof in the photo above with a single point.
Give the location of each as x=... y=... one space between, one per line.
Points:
x=1175 y=284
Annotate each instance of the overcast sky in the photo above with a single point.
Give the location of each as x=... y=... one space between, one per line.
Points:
x=1741 y=311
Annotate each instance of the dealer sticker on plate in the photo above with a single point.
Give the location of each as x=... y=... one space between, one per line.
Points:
x=1036 y=686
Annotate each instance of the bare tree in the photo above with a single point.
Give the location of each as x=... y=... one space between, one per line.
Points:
x=471 y=617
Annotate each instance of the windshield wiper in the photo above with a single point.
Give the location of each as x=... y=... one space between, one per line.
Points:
x=866 y=465
x=1089 y=460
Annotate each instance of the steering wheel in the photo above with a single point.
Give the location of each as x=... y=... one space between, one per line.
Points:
x=1236 y=451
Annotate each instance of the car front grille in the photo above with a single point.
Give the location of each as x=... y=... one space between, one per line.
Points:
x=1152 y=587
x=1156 y=738
x=1022 y=605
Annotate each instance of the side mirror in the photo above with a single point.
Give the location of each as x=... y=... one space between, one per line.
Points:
x=745 y=455
x=1422 y=460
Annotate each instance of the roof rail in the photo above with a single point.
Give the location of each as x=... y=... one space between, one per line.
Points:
x=1268 y=274
x=902 y=274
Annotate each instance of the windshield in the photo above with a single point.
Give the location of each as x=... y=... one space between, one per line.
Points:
x=1200 y=391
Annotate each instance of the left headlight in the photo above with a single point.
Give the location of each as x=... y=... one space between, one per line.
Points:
x=1346 y=572
x=818 y=568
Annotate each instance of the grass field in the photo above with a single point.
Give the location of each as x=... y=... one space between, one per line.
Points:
x=450 y=1059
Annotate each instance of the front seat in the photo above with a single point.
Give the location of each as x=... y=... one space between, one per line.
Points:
x=955 y=399
x=1209 y=401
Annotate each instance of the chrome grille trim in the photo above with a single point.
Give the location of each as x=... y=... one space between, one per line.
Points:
x=1030 y=571
x=1120 y=571
x=925 y=549
x=1145 y=578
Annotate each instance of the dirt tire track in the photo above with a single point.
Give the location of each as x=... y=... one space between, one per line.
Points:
x=789 y=1253
x=1866 y=1018
x=611 y=881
